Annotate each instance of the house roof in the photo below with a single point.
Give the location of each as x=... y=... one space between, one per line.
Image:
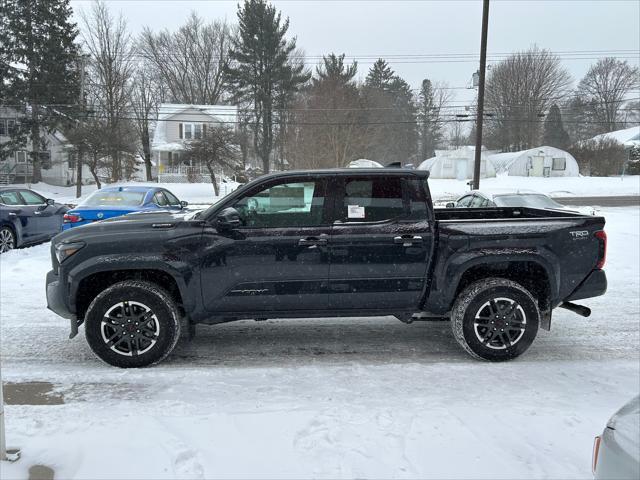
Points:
x=627 y=136
x=218 y=113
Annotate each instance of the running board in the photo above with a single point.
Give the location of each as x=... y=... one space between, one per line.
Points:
x=575 y=308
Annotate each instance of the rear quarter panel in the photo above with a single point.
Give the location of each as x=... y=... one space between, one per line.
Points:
x=565 y=247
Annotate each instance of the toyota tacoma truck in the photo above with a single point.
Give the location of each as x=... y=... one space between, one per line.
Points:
x=329 y=243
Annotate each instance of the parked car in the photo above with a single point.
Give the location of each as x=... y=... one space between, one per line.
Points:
x=26 y=218
x=349 y=242
x=111 y=202
x=513 y=198
x=616 y=453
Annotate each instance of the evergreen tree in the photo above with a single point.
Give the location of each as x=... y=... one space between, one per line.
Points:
x=380 y=76
x=262 y=70
x=335 y=71
x=38 y=70
x=391 y=116
x=554 y=133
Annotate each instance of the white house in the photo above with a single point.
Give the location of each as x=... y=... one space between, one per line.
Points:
x=458 y=164
x=536 y=162
x=364 y=163
x=177 y=124
x=57 y=158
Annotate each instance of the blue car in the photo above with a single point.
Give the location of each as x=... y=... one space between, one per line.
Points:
x=112 y=202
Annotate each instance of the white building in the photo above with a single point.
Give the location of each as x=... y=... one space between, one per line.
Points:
x=536 y=162
x=177 y=124
x=364 y=163
x=458 y=164
x=57 y=158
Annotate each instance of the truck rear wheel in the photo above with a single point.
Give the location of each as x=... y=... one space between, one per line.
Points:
x=132 y=324
x=495 y=319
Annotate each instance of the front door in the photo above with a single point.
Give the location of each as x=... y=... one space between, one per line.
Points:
x=537 y=167
x=277 y=259
x=381 y=243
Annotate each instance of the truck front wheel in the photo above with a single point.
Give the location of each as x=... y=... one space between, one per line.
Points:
x=132 y=324
x=495 y=319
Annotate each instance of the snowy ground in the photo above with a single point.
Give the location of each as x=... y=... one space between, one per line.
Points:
x=335 y=398
x=202 y=193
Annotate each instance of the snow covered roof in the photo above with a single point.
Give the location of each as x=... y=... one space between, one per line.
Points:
x=502 y=161
x=364 y=163
x=627 y=136
x=218 y=113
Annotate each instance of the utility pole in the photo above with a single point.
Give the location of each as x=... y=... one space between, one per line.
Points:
x=483 y=68
x=79 y=161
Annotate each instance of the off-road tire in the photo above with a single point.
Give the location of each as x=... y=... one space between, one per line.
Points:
x=157 y=299
x=472 y=299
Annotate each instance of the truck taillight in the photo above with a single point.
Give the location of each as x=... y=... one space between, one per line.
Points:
x=596 y=452
x=71 y=218
x=601 y=235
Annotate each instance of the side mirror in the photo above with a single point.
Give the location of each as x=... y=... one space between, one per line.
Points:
x=228 y=219
x=451 y=205
x=50 y=202
x=184 y=204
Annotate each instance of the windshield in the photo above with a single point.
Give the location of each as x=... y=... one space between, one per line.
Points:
x=527 y=200
x=111 y=198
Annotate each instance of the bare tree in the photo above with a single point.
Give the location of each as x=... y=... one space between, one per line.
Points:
x=432 y=99
x=111 y=67
x=605 y=86
x=216 y=149
x=519 y=91
x=327 y=116
x=146 y=95
x=191 y=62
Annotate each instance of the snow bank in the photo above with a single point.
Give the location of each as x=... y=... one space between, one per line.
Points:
x=332 y=398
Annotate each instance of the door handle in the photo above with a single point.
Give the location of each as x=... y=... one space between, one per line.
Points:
x=312 y=242
x=407 y=240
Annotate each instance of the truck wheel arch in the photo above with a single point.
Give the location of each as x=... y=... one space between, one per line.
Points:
x=90 y=285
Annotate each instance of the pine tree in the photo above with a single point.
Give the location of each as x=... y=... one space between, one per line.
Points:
x=262 y=71
x=39 y=73
x=554 y=133
x=335 y=71
x=380 y=76
x=391 y=115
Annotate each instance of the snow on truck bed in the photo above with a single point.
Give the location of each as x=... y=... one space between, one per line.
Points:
x=333 y=398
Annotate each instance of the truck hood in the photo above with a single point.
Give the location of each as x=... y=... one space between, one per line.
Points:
x=140 y=223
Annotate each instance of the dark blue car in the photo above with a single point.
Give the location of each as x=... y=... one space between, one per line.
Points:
x=26 y=218
x=111 y=202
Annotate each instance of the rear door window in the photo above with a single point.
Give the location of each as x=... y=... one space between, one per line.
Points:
x=10 y=198
x=377 y=199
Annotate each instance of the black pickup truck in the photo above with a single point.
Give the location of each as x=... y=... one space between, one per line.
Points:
x=325 y=243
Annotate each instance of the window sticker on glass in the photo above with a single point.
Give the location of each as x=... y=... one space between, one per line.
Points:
x=355 y=211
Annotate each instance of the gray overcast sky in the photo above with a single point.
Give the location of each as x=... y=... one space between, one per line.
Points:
x=363 y=28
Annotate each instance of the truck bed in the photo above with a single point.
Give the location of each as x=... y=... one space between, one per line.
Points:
x=501 y=213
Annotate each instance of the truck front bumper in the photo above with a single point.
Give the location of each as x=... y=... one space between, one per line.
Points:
x=56 y=294
x=593 y=286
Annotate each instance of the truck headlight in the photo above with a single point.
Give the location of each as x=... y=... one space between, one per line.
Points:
x=65 y=250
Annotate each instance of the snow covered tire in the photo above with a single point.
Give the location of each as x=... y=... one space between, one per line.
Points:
x=132 y=324
x=495 y=319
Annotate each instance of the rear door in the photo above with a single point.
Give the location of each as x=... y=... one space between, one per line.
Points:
x=381 y=242
x=277 y=260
